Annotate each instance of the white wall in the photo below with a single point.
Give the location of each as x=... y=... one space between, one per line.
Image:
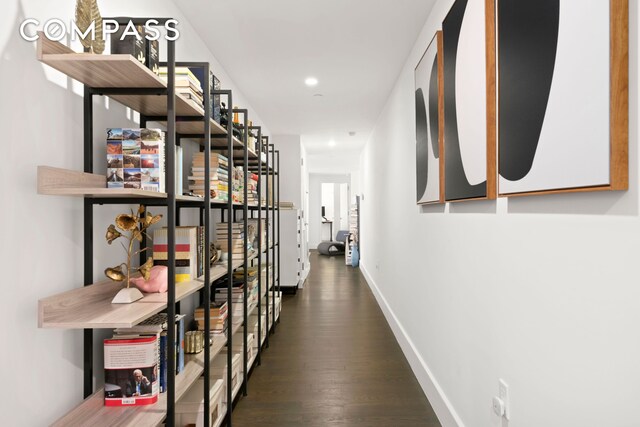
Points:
x=334 y=161
x=543 y=292
x=41 y=249
x=316 y=230
x=290 y=166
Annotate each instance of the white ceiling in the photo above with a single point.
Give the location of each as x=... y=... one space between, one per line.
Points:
x=356 y=49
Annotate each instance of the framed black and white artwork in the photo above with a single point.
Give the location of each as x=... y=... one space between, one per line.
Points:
x=469 y=106
x=429 y=120
x=562 y=95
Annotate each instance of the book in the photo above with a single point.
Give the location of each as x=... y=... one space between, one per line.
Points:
x=214 y=84
x=136 y=159
x=163 y=361
x=152 y=53
x=131 y=370
x=157 y=325
x=153 y=324
x=182 y=74
x=178 y=168
x=186 y=268
x=129 y=44
x=180 y=343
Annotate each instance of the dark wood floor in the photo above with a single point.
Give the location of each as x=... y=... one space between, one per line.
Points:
x=333 y=361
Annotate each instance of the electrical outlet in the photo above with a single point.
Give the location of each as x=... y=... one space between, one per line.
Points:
x=503 y=394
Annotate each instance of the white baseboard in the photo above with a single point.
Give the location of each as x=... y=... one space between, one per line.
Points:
x=441 y=405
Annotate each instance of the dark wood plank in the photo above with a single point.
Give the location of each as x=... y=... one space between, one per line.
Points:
x=333 y=361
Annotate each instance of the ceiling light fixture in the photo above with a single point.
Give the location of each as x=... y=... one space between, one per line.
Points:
x=311 y=81
x=332 y=143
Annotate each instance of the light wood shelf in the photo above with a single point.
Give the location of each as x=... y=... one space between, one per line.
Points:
x=97 y=71
x=197 y=128
x=90 y=307
x=156 y=105
x=93 y=412
x=216 y=272
x=114 y=71
x=64 y=182
x=124 y=71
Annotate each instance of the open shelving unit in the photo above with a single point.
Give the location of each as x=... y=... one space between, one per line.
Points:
x=128 y=82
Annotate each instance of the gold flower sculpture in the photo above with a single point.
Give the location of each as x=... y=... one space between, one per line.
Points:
x=87 y=12
x=131 y=227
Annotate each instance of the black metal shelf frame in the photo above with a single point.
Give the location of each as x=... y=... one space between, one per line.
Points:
x=88 y=113
x=205 y=206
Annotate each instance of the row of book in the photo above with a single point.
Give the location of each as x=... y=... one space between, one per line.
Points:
x=136 y=159
x=237 y=294
x=136 y=361
x=190 y=246
x=189 y=83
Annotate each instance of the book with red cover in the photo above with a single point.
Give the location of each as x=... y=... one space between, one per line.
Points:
x=131 y=370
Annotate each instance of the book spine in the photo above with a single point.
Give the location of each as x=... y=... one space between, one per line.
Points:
x=179 y=158
x=163 y=362
x=180 y=344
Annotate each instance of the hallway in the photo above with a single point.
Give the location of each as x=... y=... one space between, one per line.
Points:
x=333 y=361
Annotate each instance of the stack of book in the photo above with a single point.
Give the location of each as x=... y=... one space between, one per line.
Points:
x=218 y=318
x=237 y=240
x=219 y=176
x=237 y=297
x=187 y=85
x=252 y=198
x=286 y=205
x=189 y=251
x=238 y=185
x=252 y=284
x=253 y=224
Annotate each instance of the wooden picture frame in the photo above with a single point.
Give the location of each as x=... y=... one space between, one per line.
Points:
x=549 y=162
x=470 y=126
x=430 y=124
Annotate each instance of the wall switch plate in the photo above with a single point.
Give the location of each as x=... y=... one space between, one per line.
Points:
x=498 y=406
x=503 y=394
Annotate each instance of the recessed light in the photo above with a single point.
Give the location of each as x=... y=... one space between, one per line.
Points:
x=332 y=143
x=311 y=81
